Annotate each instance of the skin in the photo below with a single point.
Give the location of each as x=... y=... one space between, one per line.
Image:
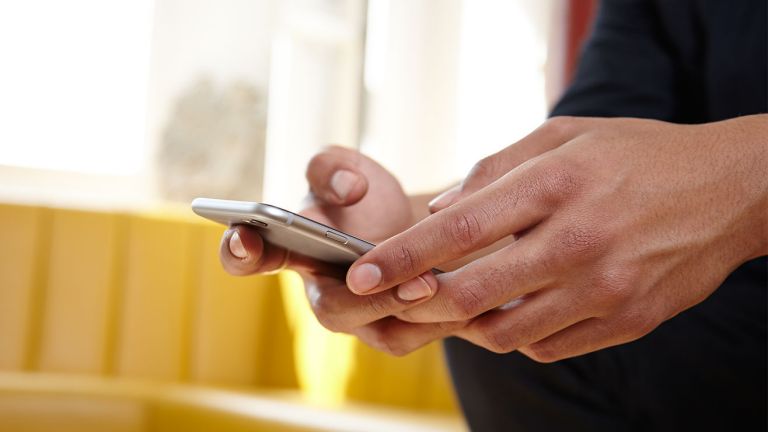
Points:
x=586 y=234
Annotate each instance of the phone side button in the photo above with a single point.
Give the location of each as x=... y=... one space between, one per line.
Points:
x=336 y=237
x=257 y=223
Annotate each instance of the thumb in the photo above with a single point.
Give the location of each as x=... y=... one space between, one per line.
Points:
x=334 y=176
x=550 y=135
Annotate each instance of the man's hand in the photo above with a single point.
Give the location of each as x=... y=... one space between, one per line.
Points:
x=620 y=225
x=355 y=194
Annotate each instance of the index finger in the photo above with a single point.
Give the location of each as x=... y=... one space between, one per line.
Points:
x=515 y=202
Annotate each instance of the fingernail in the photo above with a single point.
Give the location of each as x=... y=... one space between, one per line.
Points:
x=236 y=246
x=364 y=278
x=342 y=183
x=414 y=289
x=444 y=199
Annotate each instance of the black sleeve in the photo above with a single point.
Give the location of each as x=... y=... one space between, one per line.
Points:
x=626 y=69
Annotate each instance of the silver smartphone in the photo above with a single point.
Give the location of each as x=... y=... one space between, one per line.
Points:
x=286 y=229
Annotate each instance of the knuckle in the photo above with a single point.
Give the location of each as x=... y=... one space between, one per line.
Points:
x=405 y=259
x=484 y=170
x=560 y=125
x=380 y=340
x=558 y=179
x=464 y=303
x=542 y=352
x=549 y=260
x=376 y=305
x=613 y=288
x=330 y=323
x=322 y=303
x=497 y=339
x=543 y=257
x=464 y=229
x=327 y=312
x=581 y=240
x=398 y=350
x=451 y=327
x=375 y=340
x=406 y=316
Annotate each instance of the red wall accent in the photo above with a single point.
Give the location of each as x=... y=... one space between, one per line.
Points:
x=579 y=24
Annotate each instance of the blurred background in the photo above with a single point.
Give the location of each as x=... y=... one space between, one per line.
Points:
x=115 y=313
x=134 y=103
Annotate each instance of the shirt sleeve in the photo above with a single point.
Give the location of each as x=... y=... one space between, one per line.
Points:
x=626 y=68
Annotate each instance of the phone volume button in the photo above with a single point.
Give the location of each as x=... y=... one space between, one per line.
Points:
x=336 y=237
x=257 y=223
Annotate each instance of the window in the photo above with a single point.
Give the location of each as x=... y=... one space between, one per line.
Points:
x=125 y=103
x=449 y=82
x=73 y=91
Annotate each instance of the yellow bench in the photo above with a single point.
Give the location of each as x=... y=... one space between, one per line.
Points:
x=132 y=316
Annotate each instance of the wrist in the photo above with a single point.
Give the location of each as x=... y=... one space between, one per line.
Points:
x=755 y=131
x=747 y=137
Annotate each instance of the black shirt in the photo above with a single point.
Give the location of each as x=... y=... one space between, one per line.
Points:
x=683 y=61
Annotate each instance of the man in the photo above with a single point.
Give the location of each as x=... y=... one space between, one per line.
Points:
x=607 y=272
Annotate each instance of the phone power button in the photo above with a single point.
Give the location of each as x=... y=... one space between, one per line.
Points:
x=336 y=237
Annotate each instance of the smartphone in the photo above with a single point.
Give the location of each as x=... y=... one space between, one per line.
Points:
x=286 y=229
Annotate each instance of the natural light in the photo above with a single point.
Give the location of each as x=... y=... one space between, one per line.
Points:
x=74 y=84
